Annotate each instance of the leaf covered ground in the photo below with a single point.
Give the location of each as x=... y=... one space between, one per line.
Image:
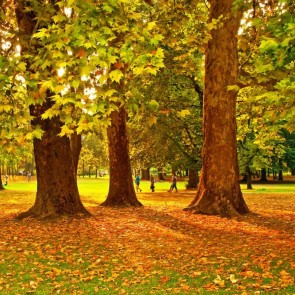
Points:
x=157 y=249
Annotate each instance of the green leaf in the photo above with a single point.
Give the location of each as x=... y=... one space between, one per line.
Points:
x=75 y=83
x=116 y=75
x=65 y=131
x=233 y=88
x=153 y=103
x=268 y=44
x=22 y=66
x=184 y=113
x=42 y=33
x=151 y=25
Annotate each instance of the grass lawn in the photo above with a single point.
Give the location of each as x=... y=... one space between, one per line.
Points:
x=156 y=249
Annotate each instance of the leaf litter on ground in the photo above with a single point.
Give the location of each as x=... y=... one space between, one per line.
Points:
x=152 y=250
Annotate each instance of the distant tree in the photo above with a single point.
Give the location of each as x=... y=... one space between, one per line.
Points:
x=265 y=98
x=290 y=150
x=96 y=144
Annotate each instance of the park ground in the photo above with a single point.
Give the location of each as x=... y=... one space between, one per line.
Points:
x=156 y=249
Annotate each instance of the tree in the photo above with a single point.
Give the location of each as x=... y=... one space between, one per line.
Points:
x=95 y=145
x=57 y=190
x=219 y=191
x=290 y=150
x=266 y=96
x=121 y=189
x=166 y=128
x=136 y=52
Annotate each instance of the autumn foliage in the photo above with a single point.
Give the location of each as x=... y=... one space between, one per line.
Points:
x=155 y=249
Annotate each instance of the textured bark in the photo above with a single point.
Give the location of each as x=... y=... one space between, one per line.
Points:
x=76 y=146
x=121 y=188
x=219 y=191
x=57 y=190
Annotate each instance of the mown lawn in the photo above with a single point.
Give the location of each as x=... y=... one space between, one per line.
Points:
x=156 y=249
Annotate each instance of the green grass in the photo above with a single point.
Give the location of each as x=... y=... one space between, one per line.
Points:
x=98 y=187
x=93 y=191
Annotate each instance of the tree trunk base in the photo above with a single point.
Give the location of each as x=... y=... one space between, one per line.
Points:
x=205 y=203
x=121 y=202
x=35 y=212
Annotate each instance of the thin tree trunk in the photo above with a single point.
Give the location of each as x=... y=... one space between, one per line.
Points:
x=121 y=188
x=1 y=183
x=145 y=174
x=193 y=178
x=219 y=191
x=161 y=174
x=281 y=170
x=263 y=177
x=249 y=177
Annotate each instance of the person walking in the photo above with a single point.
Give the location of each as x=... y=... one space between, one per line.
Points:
x=173 y=183
x=152 y=183
x=137 y=182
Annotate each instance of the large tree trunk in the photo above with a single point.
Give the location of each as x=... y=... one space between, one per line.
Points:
x=219 y=191
x=57 y=190
x=121 y=188
x=76 y=146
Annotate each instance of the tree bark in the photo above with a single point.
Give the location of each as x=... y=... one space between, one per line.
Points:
x=76 y=146
x=281 y=178
x=145 y=174
x=57 y=190
x=249 y=177
x=1 y=183
x=219 y=191
x=161 y=174
x=193 y=178
x=263 y=177
x=121 y=188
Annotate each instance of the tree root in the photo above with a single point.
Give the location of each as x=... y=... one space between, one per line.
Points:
x=38 y=214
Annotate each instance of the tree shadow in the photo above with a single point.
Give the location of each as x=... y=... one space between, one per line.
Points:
x=282 y=224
